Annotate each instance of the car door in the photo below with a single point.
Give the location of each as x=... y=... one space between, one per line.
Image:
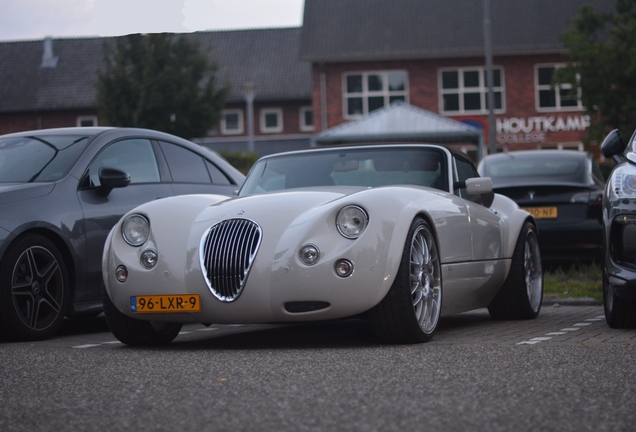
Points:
x=191 y=173
x=136 y=157
x=475 y=283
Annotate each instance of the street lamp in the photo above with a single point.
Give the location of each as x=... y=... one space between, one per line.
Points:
x=248 y=93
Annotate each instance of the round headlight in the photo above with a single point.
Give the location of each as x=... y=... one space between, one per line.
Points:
x=309 y=254
x=352 y=221
x=135 y=230
x=148 y=258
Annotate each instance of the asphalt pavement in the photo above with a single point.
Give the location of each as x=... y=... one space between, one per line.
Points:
x=564 y=371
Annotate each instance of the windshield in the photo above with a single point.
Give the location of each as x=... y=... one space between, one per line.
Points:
x=349 y=167
x=38 y=158
x=553 y=167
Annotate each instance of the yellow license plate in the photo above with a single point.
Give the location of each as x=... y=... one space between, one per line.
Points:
x=542 y=212
x=165 y=303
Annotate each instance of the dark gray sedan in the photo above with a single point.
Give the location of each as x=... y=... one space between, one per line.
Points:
x=61 y=191
x=563 y=190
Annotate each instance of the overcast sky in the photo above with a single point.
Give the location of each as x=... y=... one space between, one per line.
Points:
x=35 y=19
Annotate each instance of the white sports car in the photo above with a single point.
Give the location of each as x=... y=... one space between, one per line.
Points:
x=399 y=234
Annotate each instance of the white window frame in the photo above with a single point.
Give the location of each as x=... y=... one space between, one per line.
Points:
x=239 y=130
x=557 y=93
x=482 y=89
x=304 y=127
x=366 y=94
x=80 y=119
x=279 y=114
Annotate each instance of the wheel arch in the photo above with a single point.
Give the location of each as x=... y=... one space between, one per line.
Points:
x=516 y=225
x=62 y=246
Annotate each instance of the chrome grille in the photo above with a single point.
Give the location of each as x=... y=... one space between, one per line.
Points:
x=227 y=252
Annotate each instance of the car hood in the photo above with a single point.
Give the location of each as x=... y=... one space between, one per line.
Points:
x=14 y=192
x=280 y=207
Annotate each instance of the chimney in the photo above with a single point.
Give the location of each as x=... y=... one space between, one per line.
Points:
x=48 y=59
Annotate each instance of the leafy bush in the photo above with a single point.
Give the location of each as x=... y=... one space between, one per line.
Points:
x=242 y=161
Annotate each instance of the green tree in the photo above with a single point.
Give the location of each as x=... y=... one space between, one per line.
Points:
x=159 y=81
x=602 y=53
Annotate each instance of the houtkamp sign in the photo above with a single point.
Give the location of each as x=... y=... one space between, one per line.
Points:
x=533 y=129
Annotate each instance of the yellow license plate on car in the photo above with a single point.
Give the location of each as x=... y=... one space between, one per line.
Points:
x=165 y=303
x=542 y=212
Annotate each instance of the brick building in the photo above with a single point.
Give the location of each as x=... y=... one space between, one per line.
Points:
x=430 y=54
x=51 y=83
x=350 y=58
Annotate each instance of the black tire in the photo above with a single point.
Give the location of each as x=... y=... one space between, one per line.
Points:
x=521 y=295
x=138 y=332
x=410 y=311
x=619 y=313
x=34 y=289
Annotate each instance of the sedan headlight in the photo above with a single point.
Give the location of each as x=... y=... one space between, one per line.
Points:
x=135 y=229
x=352 y=221
x=623 y=182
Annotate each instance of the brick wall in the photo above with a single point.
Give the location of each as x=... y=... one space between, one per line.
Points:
x=18 y=122
x=520 y=114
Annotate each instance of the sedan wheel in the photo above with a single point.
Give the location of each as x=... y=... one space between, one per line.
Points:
x=410 y=311
x=34 y=292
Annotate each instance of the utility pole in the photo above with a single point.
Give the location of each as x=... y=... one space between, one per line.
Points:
x=249 y=93
x=492 y=135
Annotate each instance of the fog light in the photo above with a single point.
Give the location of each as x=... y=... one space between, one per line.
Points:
x=309 y=254
x=344 y=268
x=121 y=274
x=148 y=258
x=626 y=219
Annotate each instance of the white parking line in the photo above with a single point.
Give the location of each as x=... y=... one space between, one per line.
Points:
x=563 y=331
x=95 y=345
x=87 y=346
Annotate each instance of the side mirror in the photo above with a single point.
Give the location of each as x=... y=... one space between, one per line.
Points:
x=478 y=186
x=110 y=178
x=613 y=145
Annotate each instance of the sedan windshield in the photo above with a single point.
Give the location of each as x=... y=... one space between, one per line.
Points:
x=553 y=167
x=38 y=158
x=349 y=167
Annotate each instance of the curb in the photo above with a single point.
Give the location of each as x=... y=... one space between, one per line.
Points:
x=580 y=301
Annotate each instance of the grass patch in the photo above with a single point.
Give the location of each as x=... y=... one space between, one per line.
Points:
x=579 y=280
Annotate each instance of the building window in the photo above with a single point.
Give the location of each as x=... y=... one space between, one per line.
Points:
x=86 y=121
x=271 y=120
x=306 y=119
x=232 y=122
x=465 y=90
x=365 y=92
x=551 y=97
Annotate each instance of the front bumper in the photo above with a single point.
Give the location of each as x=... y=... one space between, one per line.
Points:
x=620 y=259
